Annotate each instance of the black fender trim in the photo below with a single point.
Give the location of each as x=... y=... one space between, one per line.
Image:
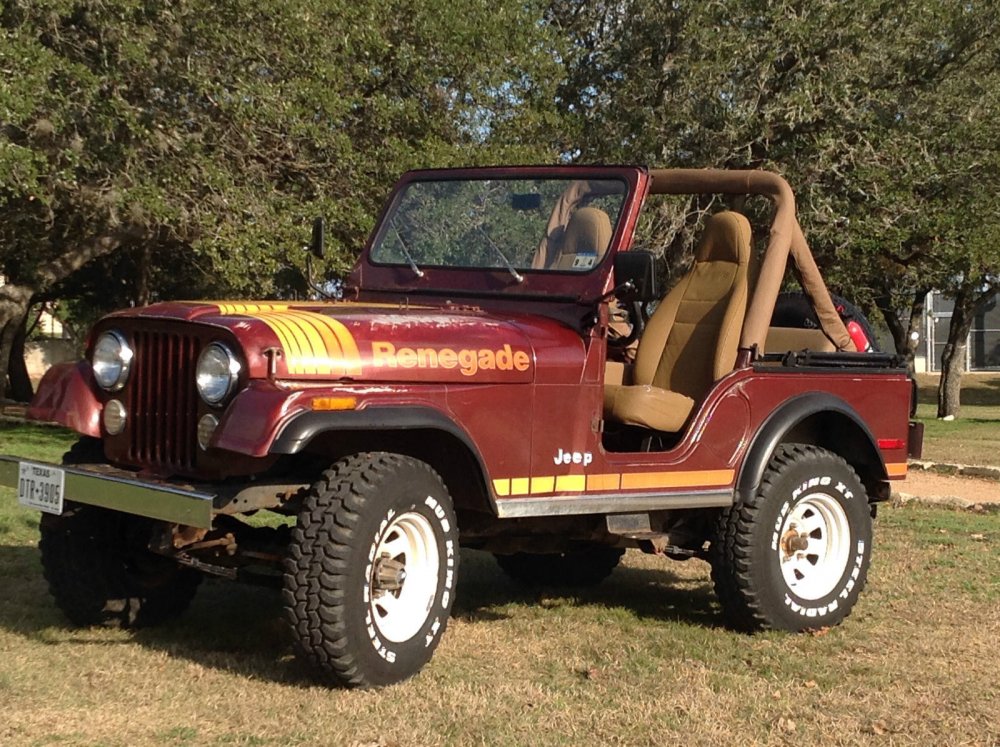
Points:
x=782 y=420
x=300 y=430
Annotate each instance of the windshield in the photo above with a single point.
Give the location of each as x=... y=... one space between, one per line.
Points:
x=507 y=224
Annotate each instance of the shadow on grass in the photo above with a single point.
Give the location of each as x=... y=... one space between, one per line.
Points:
x=241 y=629
x=485 y=593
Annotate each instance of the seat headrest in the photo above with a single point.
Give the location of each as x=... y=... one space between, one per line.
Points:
x=588 y=232
x=726 y=238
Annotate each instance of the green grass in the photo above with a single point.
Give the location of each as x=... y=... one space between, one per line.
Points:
x=972 y=438
x=642 y=659
x=42 y=442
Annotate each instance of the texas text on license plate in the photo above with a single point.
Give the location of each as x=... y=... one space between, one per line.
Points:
x=41 y=486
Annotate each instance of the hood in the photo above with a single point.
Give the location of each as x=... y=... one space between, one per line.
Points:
x=370 y=342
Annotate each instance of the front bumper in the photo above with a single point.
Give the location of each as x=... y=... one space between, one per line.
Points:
x=120 y=490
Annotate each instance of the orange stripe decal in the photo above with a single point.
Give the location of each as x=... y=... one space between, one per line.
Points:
x=700 y=478
x=604 y=482
x=896 y=469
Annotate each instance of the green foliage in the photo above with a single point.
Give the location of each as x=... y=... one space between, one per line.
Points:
x=885 y=119
x=216 y=131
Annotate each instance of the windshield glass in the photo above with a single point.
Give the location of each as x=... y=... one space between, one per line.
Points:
x=512 y=224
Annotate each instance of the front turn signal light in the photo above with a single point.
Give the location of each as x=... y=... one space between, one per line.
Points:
x=334 y=403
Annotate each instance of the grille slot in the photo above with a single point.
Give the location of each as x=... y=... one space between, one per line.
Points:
x=163 y=401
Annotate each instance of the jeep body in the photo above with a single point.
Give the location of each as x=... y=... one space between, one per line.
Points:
x=463 y=348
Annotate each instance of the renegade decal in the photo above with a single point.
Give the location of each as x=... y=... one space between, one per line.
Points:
x=612 y=482
x=312 y=343
x=468 y=361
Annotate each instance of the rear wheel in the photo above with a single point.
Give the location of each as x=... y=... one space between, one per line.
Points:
x=575 y=568
x=795 y=555
x=371 y=573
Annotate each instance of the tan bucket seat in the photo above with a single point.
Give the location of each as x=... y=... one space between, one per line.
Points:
x=691 y=339
x=584 y=242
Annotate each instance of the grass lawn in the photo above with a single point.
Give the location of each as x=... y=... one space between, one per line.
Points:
x=974 y=437
x=640 y=660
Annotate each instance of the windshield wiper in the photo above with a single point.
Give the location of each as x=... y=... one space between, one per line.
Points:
x=406 y=252
x=503 y=257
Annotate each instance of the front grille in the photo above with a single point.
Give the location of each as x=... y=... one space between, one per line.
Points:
x=163 y=401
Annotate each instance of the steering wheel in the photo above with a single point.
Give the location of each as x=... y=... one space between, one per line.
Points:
x=637 y=319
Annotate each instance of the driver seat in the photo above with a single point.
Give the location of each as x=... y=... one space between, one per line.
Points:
x=691 y=339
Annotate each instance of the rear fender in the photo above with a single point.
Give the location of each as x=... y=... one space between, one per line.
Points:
x=823 y=420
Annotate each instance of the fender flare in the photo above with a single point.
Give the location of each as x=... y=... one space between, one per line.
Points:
x=784 y=419
x=296 y=434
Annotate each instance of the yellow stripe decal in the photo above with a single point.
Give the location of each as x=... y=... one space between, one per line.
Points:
x=290 y=342
x=502 y=487
x=315 y=362
x=571 y=483
x=312 y=343
x=519 y=486
x=542 y=484
x=896 y=469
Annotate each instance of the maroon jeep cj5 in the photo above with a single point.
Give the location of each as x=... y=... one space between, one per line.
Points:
x=502 y=375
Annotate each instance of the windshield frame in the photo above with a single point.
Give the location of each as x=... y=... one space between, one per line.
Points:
x=370 y=275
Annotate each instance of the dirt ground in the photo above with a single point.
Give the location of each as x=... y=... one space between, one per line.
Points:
x=922 y=484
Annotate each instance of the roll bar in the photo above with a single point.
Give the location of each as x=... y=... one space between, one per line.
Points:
x=786 y=238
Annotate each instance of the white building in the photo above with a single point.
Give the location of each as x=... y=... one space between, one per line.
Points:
x=983 y=351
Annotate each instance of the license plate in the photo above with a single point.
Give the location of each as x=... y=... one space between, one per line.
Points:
x=40 y=486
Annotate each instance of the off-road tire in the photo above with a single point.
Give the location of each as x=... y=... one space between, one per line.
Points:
x=333 y=598
x=100 y=572
x=578 y=568
x=803 y=487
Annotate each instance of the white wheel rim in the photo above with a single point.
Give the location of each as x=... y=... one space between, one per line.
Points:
x=399 y=609
x=814 y=546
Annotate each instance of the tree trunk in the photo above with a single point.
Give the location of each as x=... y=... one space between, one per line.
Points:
x=905 y=331
x=954 y=354
x=14 y=302
x=19 y=383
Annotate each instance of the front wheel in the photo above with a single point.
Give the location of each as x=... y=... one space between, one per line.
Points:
x=100 y=571
x=795 y=555
x=371 y=573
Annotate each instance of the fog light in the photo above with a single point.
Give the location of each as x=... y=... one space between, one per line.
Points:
x=114 y=417
x=206 y=427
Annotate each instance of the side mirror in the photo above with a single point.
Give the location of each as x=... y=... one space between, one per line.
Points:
x=635 y=276
x=318 y=244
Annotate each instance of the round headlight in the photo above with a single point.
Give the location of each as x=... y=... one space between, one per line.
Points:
x=217 y=373
x=111 y=360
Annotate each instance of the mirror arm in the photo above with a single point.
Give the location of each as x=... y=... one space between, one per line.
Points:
x=628 y=285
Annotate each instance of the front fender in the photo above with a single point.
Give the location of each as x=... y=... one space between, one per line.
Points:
x=67 y=395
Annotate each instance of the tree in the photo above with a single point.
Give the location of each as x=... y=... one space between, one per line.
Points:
x=217 y=130
x=882 y=117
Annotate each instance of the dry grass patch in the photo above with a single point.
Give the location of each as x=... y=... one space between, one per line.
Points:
x=640 y=660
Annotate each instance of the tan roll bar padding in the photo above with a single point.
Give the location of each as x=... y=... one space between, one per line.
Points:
x=786 y=238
